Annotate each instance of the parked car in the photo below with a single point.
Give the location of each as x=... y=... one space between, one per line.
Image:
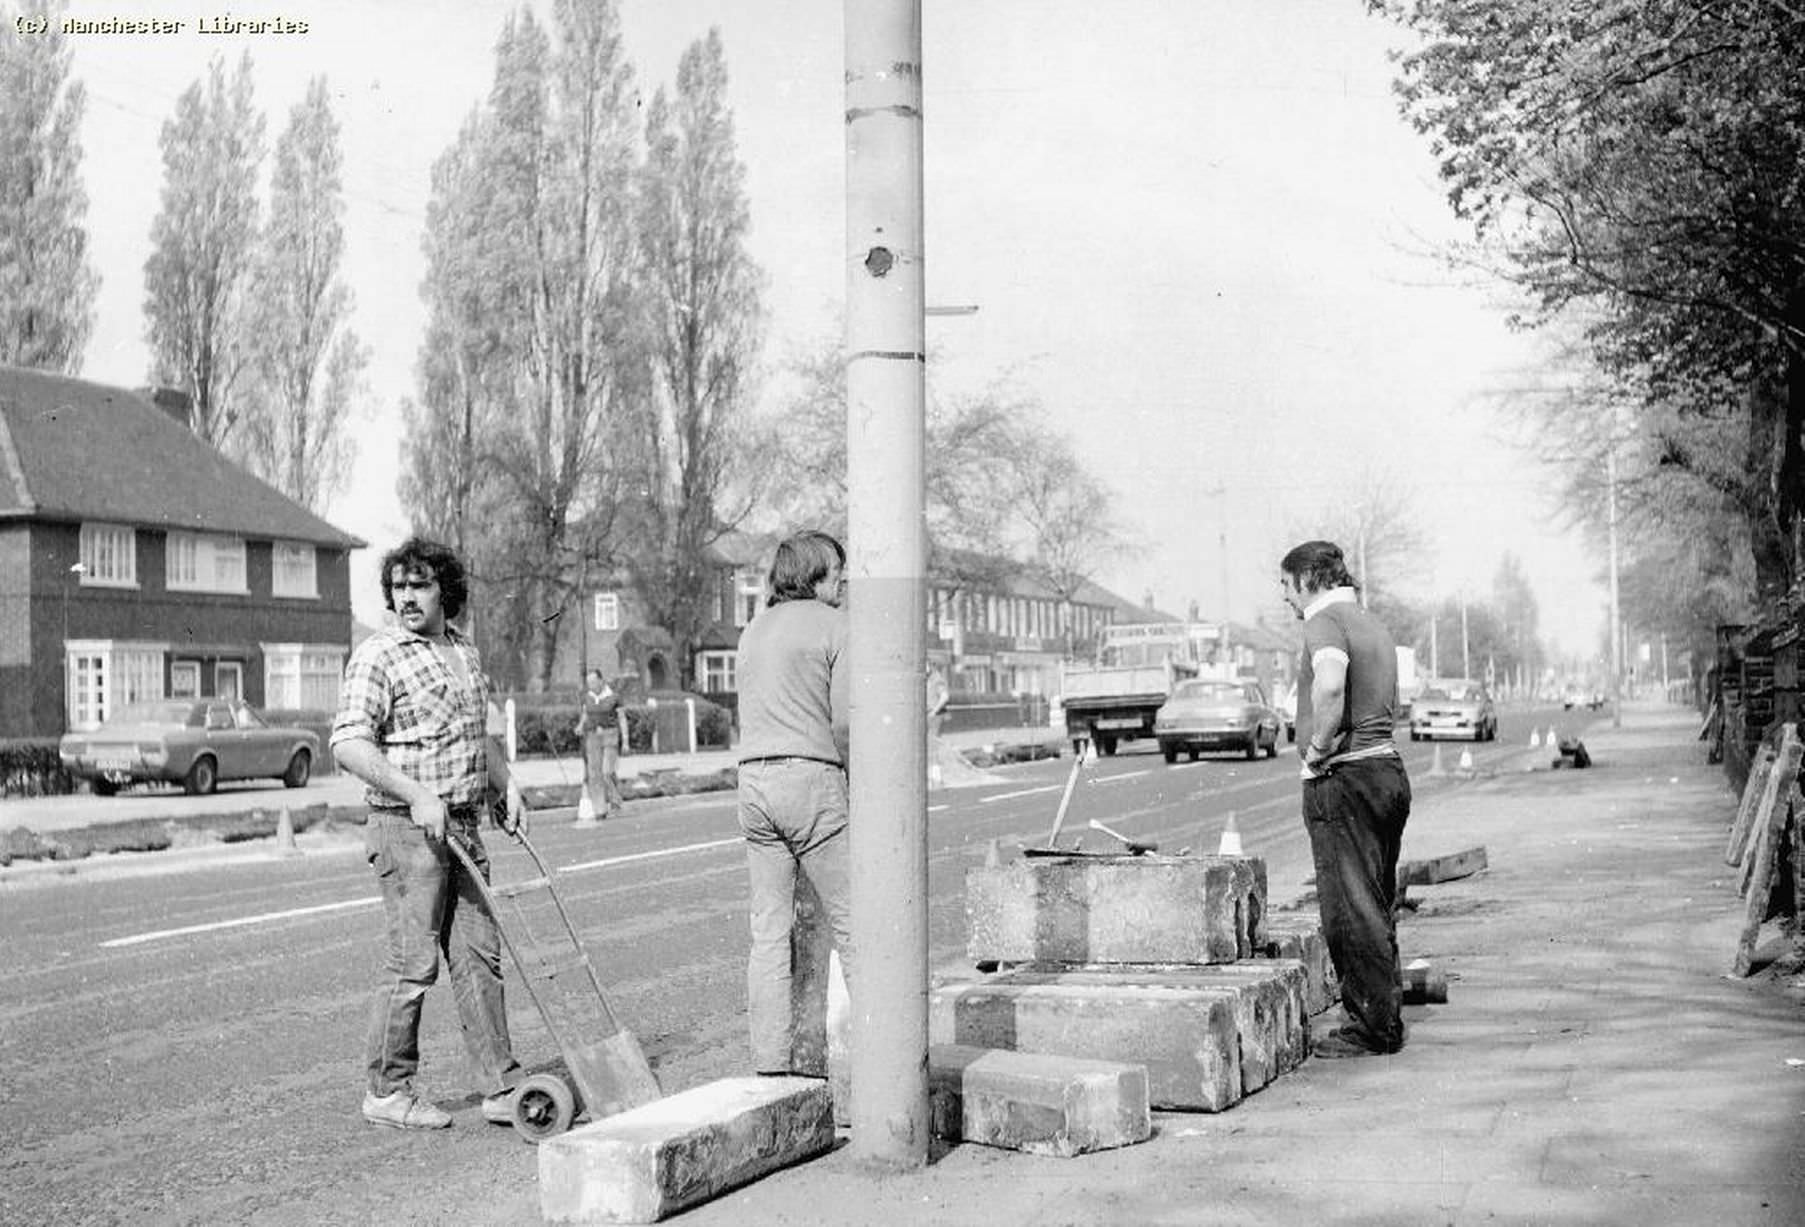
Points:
x=1453 y=707
x=192 y=742
x=1211 y=715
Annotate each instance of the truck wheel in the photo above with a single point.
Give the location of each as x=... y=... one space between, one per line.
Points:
x=1253 y=746
x=1168 y=751
x=1106 y=746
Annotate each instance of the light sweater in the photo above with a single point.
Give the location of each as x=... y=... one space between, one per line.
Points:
x=793 y=682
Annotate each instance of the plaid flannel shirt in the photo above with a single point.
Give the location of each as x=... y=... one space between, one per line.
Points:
x=399 y=695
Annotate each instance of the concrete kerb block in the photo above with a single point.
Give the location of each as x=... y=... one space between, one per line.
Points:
x=1298 y=935
x=1271 y=1021
x=1039 y=1103
x=1186 y=1037
x=1127 y=909
x=648 y=1163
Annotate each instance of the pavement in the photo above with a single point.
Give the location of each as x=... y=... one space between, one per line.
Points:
x=1595 y=1063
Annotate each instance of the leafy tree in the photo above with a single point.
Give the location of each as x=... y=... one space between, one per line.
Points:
x=1643 y=158
x=702 y=304
x=202 y=253
x=47 y=285
x=308 y=359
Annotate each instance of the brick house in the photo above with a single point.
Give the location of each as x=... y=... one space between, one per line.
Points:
x=616 y=638
x=137 y=562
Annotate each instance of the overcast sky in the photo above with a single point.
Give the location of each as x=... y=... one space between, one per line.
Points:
x=1193 y=230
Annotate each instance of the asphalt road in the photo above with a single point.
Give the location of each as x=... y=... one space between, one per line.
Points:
x=184 y=1044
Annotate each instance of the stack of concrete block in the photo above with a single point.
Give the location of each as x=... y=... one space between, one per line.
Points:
x=1153 y=960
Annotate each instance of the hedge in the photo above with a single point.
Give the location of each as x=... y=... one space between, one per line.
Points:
x=29 y=767
x=546 y=724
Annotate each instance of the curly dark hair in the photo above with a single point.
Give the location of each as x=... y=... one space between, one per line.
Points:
x=1318 y=566
x=438 y=560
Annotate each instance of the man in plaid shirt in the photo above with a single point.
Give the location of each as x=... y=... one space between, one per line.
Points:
x=412 y=725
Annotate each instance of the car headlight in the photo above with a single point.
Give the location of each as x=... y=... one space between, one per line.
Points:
x=1234 y=722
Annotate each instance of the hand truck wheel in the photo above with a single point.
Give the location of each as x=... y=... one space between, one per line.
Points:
x=544 y=1106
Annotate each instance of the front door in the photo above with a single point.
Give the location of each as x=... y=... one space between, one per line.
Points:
x=228 y=680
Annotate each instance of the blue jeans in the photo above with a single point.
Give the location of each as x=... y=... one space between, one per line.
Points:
x=792 y=812
x=433 y=911
x=1355 y=816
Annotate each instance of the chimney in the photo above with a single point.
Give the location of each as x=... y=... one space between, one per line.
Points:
x=173 y=401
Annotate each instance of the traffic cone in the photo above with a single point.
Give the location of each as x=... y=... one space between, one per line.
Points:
x=1535 y=738
x=1435 y=764
x=1466 y=760
x=285 y=834
x=1231 y=838
x=585 y=809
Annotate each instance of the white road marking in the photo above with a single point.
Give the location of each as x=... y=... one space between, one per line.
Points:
x=650 y=856
x=239 y=922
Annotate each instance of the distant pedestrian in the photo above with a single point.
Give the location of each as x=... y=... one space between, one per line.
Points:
x=1356 y=792
x=412 y=725
x=792 y=775
x=598 y=724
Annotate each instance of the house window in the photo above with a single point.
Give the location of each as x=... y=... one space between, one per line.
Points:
x=185 y=679
x=109 y=555
x=203 y=562
x=748 y=595
x=303 y=676
x=607 y=611
x=104 y=676
x=718 y=672
x=292 y=570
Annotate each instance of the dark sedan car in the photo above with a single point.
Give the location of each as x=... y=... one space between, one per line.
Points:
x=1207 y=715
x=192 y=742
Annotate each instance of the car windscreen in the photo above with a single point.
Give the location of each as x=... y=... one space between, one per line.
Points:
x=1212 y=692
x=154 y=712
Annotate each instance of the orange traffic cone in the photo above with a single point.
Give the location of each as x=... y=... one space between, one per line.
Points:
x=1435 y=764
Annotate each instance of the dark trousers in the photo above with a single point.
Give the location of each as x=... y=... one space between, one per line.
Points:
x=1355 y=816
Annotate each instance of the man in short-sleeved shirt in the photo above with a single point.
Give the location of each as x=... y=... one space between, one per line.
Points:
x=1356 y=793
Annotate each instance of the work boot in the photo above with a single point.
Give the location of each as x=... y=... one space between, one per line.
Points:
x=403 y=1110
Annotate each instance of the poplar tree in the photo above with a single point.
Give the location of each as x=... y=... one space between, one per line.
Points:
x=47 y=285
x=531 y=353
x=308 y=360
x=202 y=240
x=701 y=299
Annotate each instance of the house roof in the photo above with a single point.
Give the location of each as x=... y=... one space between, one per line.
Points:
x=74 y=450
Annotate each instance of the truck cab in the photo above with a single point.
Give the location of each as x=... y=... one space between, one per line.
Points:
x=1116 y=698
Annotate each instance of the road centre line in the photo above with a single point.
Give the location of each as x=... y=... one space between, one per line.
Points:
x=238 y=922
x=262 y=918
x=650 y=856
x=1029 y=792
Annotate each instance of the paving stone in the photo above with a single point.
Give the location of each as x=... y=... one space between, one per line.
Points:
x=1298 y=935
x=1041 y=1103
x=1126 y=909
x=1186 y=1037
x=645 y=1164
